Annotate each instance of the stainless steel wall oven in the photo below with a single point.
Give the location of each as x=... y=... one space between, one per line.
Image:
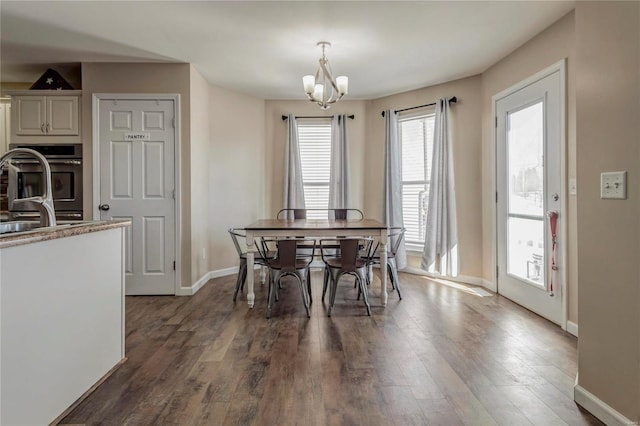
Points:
x=25 y=180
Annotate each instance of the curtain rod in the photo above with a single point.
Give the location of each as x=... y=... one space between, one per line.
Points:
x=284 y=117
x=452 y=100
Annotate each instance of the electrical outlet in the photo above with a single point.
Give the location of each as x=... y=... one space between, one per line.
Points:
x=613 y=185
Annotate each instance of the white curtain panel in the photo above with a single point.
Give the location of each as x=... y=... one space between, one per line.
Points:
x=339 y=181
x=392 y=209
x=440 y=253
x=293 y=185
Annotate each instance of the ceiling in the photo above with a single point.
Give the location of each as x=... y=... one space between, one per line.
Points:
x=263 y=48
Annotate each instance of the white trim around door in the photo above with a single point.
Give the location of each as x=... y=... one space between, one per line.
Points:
x=560 y=67
x=96 y=98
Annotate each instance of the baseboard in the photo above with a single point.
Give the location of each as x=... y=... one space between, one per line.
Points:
x=465 y=279
x=190 y=291
x=598 y=408
x=572 y=328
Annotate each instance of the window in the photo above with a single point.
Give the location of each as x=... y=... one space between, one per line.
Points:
x=416 y=141
x=314 y=139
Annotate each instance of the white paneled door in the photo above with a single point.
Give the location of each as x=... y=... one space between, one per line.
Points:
x=529 y=147
x=137 y=142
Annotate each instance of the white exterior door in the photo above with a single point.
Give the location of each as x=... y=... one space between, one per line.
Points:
x=529 y=144
x=136 y=143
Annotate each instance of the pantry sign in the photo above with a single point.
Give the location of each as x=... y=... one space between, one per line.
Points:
x=137 y=136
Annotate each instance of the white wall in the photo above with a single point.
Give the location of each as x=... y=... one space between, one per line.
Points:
x=235 y=170
x=199 y=166
x=608 y=128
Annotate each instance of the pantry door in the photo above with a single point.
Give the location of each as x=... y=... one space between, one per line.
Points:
x=137 y=182
x=529 y=197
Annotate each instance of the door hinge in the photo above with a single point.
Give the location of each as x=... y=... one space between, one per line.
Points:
x=497 y=270
x=174 y=194
x=174 y=265
x=173 y=123
x=496 y=196
x=496 y=121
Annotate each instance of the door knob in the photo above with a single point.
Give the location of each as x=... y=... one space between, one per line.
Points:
x=104 y=207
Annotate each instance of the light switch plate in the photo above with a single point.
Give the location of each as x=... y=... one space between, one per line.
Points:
x=613 y=185
x=573 y=186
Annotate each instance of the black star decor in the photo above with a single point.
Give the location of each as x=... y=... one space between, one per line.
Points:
x=51 y=80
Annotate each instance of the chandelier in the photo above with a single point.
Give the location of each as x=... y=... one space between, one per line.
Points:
x=322 y=88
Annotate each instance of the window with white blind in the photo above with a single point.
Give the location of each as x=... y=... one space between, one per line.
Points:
x=416 y=140
x=314 y=139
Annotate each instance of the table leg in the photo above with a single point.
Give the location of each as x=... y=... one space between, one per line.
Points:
x=383 y=273
x=251 y=296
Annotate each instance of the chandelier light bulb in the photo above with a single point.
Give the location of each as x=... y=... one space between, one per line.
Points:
x=318 y=92
x=308 y=81
x=343 y=84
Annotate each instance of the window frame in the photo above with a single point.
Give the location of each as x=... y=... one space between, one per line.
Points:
x=422 y=114
x=320 y=122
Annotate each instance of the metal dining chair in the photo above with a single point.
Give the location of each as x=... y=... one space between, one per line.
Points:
x=396 y=235
x=347 y=213
x=297 y=214
x=347 y=260
x=289 y=262
x=260 y=258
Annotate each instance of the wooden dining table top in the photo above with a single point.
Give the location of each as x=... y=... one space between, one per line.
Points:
x=302 y=224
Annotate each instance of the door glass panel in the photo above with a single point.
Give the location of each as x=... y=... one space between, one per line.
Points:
x=525 y=254
x=525 y=167
x=525 y=159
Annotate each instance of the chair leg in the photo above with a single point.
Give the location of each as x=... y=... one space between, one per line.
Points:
x=242 y=271
x=361 y=280
x=393 y=271
x=325 y=282
x=368 y=276
x=309 y=285
x=263 y=274
x=273 y=285
x=332 y=293
x=278 y=287
x=304 y=294
x=244 y=277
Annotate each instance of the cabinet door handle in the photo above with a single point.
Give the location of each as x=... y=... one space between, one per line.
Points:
x=42 y=128
x=47 y=127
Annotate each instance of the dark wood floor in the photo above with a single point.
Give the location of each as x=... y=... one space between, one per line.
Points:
x=443 y=355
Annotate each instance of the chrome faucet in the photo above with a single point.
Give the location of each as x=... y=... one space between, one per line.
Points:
x=44 y=203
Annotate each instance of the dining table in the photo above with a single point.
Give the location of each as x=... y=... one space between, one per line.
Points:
x=317 y=229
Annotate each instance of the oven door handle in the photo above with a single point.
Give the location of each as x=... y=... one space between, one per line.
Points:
x=52 y=161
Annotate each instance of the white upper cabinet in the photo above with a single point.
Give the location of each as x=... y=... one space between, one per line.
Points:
x=30 y=115
x=45 y=113
x=62 y=115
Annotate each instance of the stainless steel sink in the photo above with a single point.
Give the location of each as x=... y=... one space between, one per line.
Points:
x=10 y=227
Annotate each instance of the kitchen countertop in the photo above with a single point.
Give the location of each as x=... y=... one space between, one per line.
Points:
x=60 y=231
